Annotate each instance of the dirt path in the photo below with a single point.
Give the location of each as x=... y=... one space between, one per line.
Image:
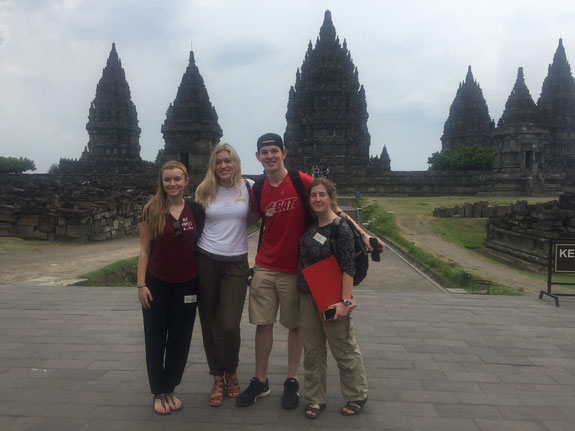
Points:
x=418 y=229
x=39 y=262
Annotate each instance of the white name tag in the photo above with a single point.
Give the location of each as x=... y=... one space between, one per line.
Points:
x=320 y=238
x=190 y=299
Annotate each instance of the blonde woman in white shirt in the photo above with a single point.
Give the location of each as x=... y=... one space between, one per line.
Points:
x=223 y=267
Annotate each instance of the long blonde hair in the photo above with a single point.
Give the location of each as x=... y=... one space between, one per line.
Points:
x=157 y=209
x=206 y=191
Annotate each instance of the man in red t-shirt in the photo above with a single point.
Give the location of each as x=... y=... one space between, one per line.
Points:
x=274 y=284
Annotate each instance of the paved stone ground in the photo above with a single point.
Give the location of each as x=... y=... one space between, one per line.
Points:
x=72 y=358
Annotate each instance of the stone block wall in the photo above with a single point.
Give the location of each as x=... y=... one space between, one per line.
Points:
x=73 y=207
x=480 y=209
x=521 y=237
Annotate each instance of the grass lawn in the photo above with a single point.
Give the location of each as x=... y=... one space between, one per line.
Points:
x=467 y=233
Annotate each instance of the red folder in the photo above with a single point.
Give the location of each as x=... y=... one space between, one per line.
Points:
x=324 y=279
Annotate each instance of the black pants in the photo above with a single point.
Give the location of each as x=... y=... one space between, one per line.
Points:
x=223 y=288
x=168 y=327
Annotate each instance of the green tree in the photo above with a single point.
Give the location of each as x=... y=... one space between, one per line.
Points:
x=465 y=158
x=54 y=169
x=16 y=165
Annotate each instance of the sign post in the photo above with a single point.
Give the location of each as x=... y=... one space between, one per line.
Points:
x=561 y=260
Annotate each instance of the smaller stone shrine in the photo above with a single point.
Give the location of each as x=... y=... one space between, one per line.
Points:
x=113 y=145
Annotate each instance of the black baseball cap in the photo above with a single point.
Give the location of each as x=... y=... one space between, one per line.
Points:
x=270 y=139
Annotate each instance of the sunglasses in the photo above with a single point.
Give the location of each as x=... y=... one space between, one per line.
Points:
x=178 y=228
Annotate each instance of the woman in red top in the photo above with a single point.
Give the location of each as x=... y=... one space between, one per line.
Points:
x=167 y=284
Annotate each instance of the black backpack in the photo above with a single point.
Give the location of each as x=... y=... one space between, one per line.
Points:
x=299 y=188
x=360 y=251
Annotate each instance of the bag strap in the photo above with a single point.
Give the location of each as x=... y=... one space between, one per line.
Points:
x=302 y=193
x=199 y=217
x=333 y=233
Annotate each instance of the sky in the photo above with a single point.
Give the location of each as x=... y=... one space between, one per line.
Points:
x=411 y=56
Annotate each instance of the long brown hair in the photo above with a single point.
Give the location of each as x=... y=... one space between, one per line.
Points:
x=157 y=209
x=206 y=191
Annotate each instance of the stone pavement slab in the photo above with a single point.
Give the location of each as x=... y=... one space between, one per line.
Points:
x=72 y=358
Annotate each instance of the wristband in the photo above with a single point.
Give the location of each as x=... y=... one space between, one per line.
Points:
x=139 y=287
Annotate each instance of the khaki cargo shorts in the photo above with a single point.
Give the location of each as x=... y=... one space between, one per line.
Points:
x=269 y=291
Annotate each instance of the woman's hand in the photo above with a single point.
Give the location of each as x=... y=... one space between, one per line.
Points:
x=366 y=238
x=145 y=297
x=341 y=311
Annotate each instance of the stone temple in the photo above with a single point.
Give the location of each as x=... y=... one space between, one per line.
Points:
x=534 y=143
x=469 y=122
x=327 y=110
x=191 y=128
x=114 y=134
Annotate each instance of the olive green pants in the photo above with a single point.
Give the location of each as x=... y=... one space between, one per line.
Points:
x=340 y=336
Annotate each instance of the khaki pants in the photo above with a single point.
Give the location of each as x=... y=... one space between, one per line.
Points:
x=340 y=336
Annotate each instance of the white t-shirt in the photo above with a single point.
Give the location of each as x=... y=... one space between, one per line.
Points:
x=225 y=231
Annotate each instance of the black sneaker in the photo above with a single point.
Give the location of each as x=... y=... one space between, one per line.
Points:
x=255 y=390
x=290 y=399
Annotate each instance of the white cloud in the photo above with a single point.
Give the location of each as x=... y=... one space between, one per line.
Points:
x=411 y=56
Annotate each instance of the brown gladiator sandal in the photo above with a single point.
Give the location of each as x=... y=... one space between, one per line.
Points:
x=232 y=385
x=217 y=395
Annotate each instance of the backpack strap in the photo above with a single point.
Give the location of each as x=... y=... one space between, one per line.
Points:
x=302 y=193
x=257 y=189
x=199 y=217
x=333 y=233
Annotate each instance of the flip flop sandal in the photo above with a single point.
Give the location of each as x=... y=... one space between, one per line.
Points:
x=312 y=412
x=355 y=406
x=172 y=397
x=162 y=399
x=233 y=388
x=217 y=395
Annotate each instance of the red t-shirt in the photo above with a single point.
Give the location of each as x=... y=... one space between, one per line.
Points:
x=172 y=258
x=285 y=223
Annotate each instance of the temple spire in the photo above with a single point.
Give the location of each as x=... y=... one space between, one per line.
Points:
x=327 y=109
x=468 y=123
x=520 y=108
x=327 y=31
x=191 y=128
x=112 y=119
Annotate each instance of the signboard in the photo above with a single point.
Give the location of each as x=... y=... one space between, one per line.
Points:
x=565 y=257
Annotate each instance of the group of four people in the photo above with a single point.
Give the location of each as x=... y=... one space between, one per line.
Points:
x=195 y=254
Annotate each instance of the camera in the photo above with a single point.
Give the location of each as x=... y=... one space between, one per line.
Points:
x=376 y=252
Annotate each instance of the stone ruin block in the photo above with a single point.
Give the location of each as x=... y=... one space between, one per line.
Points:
x=22 y=231
x=28 y=220
x=78 y=231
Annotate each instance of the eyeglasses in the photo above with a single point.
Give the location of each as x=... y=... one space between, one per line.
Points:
x=178 y=228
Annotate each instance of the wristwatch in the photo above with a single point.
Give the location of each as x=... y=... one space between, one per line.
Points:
x=346 y=302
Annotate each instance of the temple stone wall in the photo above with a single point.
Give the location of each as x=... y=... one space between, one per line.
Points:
x=521 y=237
x=371 y=180
x=480 y=209
x=72 y=207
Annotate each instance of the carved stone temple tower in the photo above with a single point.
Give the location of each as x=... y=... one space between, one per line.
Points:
x=521 y=145
x=114 y=134
x=556 y=107
x=327 y=111
x=468 y=123
x=191 y=129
